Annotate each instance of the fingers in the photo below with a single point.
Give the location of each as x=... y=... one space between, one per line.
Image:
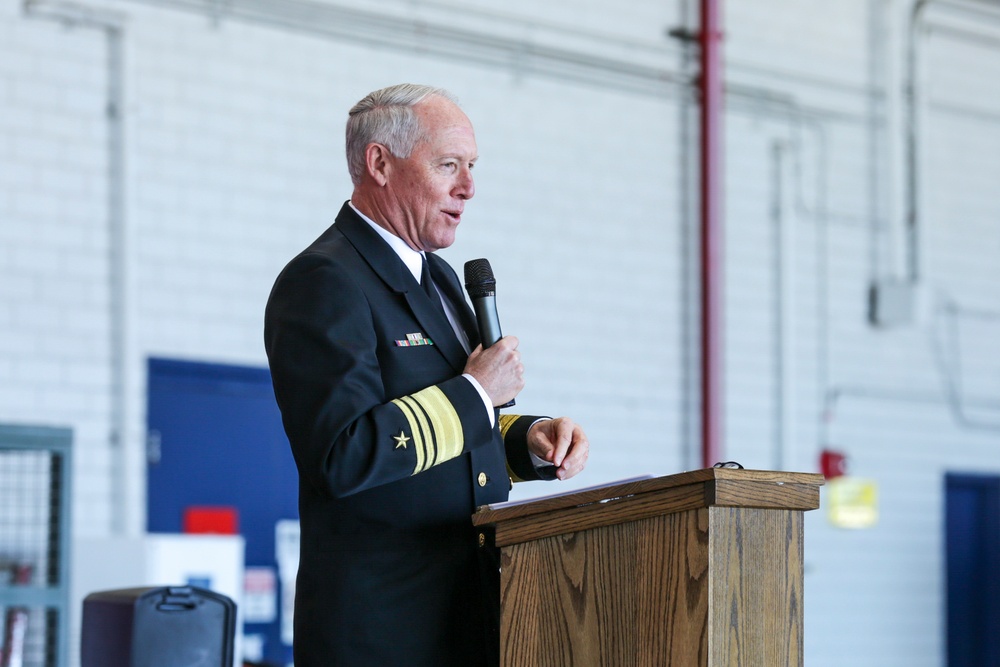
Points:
x=514 y=355
x=576 y=459
x=562 y=443
x=562 y=440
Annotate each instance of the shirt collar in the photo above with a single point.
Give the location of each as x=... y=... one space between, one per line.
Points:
x=413 y=259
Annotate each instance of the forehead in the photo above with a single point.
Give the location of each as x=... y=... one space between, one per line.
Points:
x=446 y=128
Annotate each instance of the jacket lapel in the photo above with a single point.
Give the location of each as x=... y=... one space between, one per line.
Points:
x=387 y=265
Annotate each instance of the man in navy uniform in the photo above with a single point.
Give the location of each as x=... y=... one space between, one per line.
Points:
x=388 y=400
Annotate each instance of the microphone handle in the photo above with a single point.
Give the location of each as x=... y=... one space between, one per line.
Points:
x=489 y=325
x=489 y=321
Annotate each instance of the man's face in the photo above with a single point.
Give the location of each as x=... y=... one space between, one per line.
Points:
x=428 y=190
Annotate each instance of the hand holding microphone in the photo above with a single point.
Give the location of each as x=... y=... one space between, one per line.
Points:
x=498 y=370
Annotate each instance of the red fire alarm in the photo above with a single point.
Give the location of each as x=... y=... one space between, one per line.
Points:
x=832 y=464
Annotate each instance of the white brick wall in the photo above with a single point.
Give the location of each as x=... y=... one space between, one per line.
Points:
x=54 y=334
x=234 y=163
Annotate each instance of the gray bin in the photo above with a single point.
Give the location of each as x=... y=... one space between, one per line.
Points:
x=157 y=627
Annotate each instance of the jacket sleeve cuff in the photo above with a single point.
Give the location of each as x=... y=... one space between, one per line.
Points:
x=483 y=395
x=514 y=430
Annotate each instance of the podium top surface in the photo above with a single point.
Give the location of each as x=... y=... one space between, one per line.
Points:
x=707 y=487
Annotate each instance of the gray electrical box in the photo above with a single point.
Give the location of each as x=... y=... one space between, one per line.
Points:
x=892 y=303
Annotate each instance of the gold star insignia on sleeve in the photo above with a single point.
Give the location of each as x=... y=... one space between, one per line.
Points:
x=401 y=440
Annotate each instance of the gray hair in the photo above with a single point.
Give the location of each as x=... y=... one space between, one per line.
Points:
x=386 y=117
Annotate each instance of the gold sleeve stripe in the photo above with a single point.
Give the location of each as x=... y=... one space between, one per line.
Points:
x=436 y=427
x=418 y=430
x=426 y=446
x=447 y=425
x=506 y=421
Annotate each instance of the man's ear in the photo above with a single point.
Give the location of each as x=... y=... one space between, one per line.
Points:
x=378 y=163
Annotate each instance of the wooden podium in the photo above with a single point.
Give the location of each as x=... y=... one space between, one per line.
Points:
x=701 y=568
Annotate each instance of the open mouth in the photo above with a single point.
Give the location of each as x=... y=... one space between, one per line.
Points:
x=454 y=215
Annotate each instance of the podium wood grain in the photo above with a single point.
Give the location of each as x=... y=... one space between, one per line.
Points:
x=698 y=569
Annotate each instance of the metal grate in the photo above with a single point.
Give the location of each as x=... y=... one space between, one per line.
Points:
x=31 y=535
x=29 y=636
x=29 y=521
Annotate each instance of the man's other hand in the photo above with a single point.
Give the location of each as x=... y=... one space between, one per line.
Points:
x=562 y=443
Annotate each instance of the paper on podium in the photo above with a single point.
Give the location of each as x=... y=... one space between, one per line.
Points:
x=586 y=489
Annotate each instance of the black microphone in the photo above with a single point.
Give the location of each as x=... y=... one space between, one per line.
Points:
x=482 y=289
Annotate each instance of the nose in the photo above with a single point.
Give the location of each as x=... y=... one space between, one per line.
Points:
x=465 y=188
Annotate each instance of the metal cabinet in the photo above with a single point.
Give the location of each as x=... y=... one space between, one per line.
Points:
x=34 y=545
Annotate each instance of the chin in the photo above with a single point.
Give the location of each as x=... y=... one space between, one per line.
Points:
x=442 y=242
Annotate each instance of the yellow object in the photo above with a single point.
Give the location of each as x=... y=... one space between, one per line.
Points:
x=852 y=502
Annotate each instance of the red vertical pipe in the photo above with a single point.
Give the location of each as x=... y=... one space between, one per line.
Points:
x=711 y=269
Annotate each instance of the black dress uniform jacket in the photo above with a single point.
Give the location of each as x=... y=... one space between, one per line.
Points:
x=394 y=451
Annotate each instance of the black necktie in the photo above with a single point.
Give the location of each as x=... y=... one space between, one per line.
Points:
x=428 y=284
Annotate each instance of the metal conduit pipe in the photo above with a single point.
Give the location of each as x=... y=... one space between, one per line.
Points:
x=947 y=356
x=912 y=156
x=877 y=101
x=119 y=339
x=689 y=427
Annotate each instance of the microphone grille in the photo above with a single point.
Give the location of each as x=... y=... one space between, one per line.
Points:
x=479 y=280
